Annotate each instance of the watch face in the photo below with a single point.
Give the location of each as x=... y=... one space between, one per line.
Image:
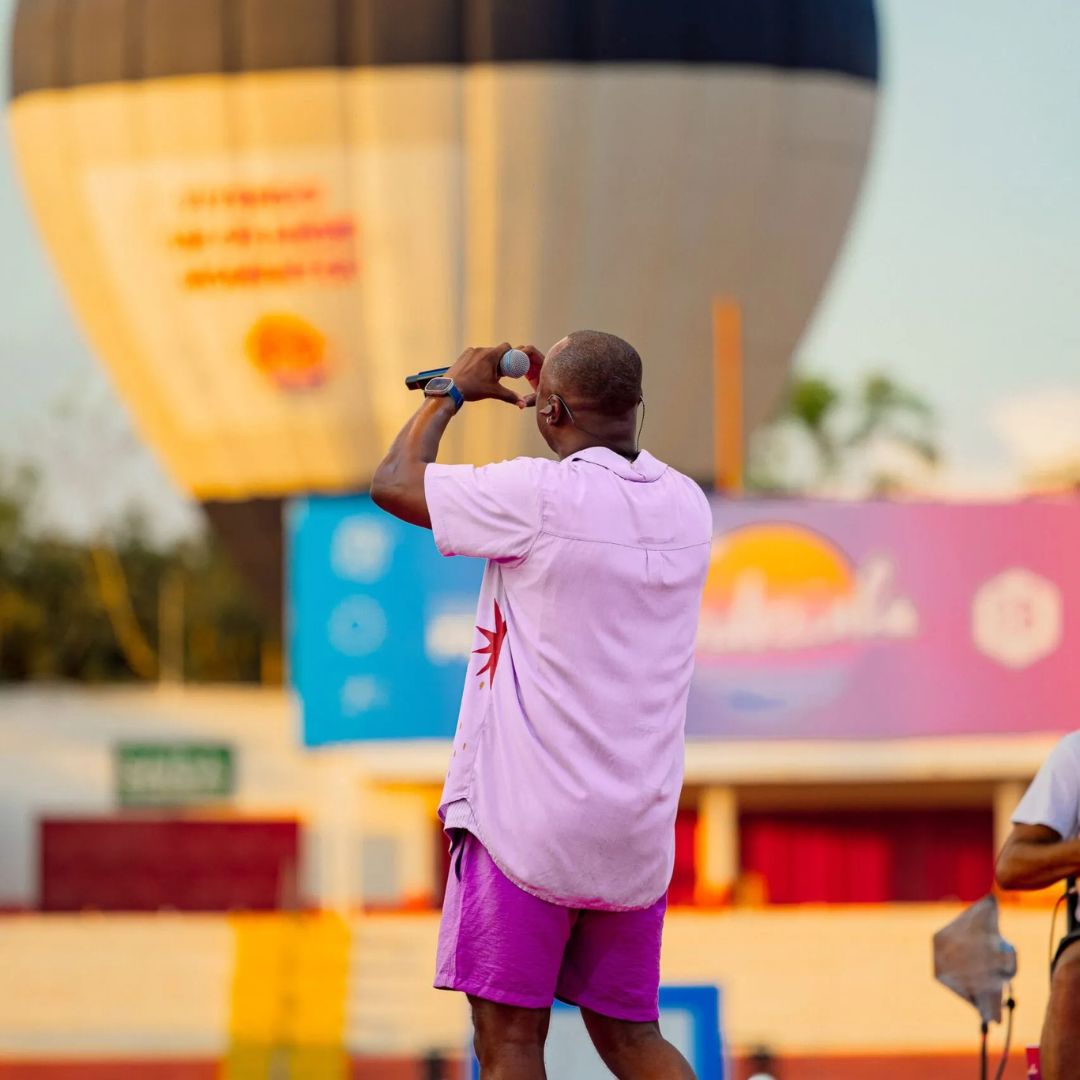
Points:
x=438 y=385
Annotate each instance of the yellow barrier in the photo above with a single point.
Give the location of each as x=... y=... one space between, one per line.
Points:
x=289 y=991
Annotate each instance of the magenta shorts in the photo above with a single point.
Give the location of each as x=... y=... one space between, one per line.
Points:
x=498 y=942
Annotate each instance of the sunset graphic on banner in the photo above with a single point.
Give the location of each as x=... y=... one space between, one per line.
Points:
x=785 y=612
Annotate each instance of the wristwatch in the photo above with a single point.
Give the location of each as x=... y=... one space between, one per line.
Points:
x=444 y=387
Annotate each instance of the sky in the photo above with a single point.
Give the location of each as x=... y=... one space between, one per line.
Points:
x=962 y=271
x=960 y=275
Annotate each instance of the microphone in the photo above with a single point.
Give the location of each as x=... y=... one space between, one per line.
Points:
x=513 y=364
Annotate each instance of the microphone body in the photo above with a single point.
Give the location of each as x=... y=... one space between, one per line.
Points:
x=512 y=365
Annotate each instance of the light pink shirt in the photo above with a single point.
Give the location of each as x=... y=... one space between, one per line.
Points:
x=568 y=758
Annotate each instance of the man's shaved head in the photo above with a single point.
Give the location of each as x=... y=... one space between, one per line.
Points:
x=597 y=371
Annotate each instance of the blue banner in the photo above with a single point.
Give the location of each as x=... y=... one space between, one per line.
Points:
x=380 y=625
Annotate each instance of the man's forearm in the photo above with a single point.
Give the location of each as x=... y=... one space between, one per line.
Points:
x=1028 y=864
x=398 y=484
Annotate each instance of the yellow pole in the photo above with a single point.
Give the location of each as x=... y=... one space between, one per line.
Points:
x=728 y=433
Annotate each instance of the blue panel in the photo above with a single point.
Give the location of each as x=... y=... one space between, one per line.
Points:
x=689 y=1019
x=702 y=1004
x=380 y=625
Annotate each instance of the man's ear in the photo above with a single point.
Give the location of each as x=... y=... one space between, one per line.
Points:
x=552 y=412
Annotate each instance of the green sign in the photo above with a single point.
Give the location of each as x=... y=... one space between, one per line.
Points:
x=156 y=774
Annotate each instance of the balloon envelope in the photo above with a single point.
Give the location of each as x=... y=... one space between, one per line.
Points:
x=268 y=212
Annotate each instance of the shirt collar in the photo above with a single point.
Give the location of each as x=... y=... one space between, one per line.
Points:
x=643 y=469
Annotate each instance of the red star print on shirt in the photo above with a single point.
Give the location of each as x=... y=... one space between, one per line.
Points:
x=495 y=639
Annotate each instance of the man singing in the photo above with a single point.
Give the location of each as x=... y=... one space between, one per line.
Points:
x=1042 y=849
x=567 y=764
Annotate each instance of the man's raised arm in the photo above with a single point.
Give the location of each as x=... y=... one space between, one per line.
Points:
x=398 y=484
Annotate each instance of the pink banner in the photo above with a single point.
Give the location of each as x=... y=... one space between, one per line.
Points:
x=867 y=620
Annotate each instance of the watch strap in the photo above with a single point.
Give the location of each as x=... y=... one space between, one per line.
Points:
x=451 y=391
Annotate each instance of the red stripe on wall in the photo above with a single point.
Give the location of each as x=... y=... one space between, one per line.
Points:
x=893 y=1067
x=180 y=1069
x=916 y=1067
x=125 y=1069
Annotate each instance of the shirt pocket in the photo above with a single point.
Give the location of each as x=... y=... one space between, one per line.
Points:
x=654 y=567
x=673 y=568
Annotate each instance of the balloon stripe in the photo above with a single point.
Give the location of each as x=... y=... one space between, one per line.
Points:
x=261 y=35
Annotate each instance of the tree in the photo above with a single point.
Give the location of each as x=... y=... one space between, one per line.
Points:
x=840 y=431
x=94 y=612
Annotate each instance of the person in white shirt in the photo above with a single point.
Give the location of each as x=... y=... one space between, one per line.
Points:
x=1043 y=849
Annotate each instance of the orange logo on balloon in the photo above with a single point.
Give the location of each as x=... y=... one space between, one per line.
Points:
x=288 y=350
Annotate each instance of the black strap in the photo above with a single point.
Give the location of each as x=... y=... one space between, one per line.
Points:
x=1066 y=942
x=457 y=844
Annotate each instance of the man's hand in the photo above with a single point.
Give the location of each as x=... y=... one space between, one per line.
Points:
x=536 y=362
x=476 y=374
x=398 y=484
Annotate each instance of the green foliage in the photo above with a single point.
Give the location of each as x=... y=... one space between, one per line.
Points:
x=840 y=428
x=813 y=403
x=226 y=631
x=55 y=621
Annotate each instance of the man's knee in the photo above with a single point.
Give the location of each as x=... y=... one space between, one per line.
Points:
x=499 y=1027
x=615 y=1039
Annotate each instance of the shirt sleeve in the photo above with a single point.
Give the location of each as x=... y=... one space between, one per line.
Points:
x=491 y=512
x=1053 y=799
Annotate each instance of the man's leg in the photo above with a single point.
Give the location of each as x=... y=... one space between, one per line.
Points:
x=1060 y=1047
x=503 y=947
x=509 y=1041
x=611 y=969
x=635 y=1051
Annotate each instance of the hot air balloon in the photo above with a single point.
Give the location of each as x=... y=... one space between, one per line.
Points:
x=267 y=212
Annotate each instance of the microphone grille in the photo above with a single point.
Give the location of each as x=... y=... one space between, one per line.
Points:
x=514 y=364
